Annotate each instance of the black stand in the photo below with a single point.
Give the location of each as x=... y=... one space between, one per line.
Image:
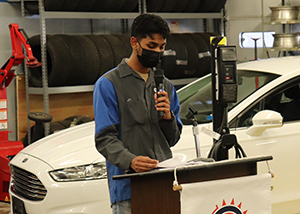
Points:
x=191 y=116
x=219 y=150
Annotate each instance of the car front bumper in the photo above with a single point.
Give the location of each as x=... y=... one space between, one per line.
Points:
x=62 y=197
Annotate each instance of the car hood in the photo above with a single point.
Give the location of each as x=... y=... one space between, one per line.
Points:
x=75 y=146
x=70 y=147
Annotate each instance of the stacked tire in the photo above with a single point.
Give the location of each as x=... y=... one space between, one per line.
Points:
x=188 y=6
x=128 y=5
x=78 y=59
x=84 y=5
x=82 y=59
x=187 y=55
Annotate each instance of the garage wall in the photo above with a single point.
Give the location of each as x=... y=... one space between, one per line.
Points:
x=246 y=16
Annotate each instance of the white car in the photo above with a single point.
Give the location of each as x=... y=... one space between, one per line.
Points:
x=63 y=173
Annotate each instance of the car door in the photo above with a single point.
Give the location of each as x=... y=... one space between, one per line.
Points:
x=283 y=143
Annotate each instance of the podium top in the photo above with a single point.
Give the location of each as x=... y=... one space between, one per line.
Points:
x=198 y=165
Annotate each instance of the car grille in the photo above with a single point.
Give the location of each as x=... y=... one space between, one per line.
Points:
x=27 y=185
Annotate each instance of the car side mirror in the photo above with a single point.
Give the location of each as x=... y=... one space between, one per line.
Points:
x=263 y=120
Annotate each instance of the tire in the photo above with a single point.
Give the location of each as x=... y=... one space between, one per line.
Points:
x=78 y=119
x=218 y=6
x=77 y=55
x=25 y=140
x=154 y=5
x=117 y=47
x=168 y=5
x=99 y=5
x=32 y=7
x=58 y=61
x=85 y=5
x=106 y=57
x=53 y=5
x=213 y=34
x=206 y=38
x=56 y=126
x=69 y=5
x=115 y=5
x=168 y=62
x=71 y=118
x=40 y=117
x=129 y=6
x=206 y=5
x=192 y=5
x=180 y=6
x=91 y=60
x=125 y=39
x=204 y=62
x=181 y=57
x=180 y=60
x=192 y=53
x=84 y=119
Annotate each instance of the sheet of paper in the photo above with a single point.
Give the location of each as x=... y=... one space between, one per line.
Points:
x=171 y=163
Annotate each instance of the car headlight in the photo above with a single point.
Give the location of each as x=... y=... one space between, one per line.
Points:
x=80 y=173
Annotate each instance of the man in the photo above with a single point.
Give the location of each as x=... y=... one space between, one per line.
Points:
x=129 y=133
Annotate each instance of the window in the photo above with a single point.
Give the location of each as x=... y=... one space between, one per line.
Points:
x=198 y=95
x=285 y=101
x=247 y=39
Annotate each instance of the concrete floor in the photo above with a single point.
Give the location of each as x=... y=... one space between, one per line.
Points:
x=4 y=208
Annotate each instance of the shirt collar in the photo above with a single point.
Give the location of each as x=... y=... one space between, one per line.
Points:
x=127 y=71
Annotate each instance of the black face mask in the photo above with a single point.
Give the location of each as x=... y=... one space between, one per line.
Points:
x=149 y=58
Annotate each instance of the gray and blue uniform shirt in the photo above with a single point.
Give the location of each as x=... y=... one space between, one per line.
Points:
x=127 y=123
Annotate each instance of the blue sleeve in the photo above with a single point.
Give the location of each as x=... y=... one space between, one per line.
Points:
x=105 y=105
x=175 y=107
x=107 y=121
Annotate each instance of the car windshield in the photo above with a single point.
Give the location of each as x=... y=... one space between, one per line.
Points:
x=198 y=95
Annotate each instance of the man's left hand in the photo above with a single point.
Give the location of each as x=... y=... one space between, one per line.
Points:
x=163 y=104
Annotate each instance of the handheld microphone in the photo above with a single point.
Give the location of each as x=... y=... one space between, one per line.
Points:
x=159 y=77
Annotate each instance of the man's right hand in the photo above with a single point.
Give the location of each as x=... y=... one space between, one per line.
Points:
x=143 y=164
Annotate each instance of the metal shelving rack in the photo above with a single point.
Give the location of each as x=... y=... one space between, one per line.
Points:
x=43 y=15
x=45 y=90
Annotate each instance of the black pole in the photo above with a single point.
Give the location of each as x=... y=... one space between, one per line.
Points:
x=217 y=110
x=255 y=47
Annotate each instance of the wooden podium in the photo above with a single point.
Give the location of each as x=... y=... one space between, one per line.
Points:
x=152 y=192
